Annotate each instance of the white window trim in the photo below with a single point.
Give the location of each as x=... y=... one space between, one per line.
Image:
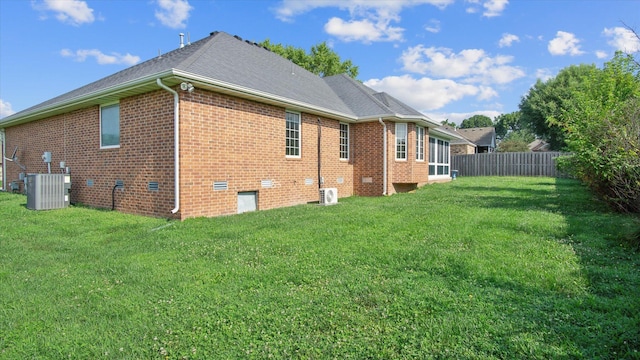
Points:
x=100 y=125
x=299 y=135
x=406 y=150
x=436 y=163
x=348 y=140
x=420 y=142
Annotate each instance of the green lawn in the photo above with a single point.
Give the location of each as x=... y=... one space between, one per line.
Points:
x=479 y=268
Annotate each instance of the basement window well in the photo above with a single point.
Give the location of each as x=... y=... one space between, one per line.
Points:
x=247 y=201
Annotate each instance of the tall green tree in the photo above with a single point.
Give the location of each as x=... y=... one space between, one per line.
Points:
x=543 y=108
x=476 y=121
x=320 y=60
x=602 y=130
x=507 y=123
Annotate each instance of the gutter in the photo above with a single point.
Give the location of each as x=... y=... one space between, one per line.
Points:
x=176 y=144
x=384 y=156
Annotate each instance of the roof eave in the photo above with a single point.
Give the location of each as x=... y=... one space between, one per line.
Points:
x=260 y=96
x=420 y=120
x=446 y=134
x=132 y=87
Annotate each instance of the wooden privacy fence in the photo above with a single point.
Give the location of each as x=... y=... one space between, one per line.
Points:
x=507 y=164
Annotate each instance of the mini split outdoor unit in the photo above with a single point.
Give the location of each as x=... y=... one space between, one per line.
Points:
x=328 y=196
x=48 y=191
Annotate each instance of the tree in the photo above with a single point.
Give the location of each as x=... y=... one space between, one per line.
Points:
x=321 y=60
x=448 y=123
x=543 y=108
x=602 y=130
x=507 y=123
x=476 y=121
x=516 y=141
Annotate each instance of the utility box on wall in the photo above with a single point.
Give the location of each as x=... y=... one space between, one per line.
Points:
x=48 y=191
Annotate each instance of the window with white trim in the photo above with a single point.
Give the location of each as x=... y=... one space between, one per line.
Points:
x=419 y=143
x=401 y=141
x=110 y=126
x=344 y=141
x=438 y=157
x=292 y=137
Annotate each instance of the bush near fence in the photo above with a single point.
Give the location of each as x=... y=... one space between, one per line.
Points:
x=508 y=164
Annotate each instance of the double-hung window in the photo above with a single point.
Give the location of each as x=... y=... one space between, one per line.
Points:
x=419 y=143
x=344 y=141
x=401 y=141
x=292 y=137
x=438 y=157
x=110 y=126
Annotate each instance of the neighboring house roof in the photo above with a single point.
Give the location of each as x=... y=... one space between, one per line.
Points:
x=450 y=134
x=481 y=136
x=225 y=63
x=538 y=145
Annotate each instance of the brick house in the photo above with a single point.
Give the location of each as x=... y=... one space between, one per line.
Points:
x=218 y=124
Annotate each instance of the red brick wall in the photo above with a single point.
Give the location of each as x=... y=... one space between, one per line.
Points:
x=242 y=142
x=145 y=154
x=368 y=158
x=222 y=138
x=409 y=174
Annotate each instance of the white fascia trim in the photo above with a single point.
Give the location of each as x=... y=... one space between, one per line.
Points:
x=445 y=135
x=252 y=93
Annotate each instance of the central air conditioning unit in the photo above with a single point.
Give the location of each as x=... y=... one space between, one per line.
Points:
x=48 y=191
x=328 y=196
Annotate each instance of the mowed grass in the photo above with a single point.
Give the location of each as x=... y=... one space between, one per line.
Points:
x=479 y=268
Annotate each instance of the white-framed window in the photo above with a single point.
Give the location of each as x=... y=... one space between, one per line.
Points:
x=419 y=143
x=292 y=137
x=401 y=141
x=438 y=157
x=344 y=141
x=110 y=126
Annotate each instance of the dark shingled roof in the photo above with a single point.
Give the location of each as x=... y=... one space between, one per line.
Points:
x=224 y=61
x=481 y=136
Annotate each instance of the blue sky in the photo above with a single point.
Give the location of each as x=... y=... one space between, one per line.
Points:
x=450 y=59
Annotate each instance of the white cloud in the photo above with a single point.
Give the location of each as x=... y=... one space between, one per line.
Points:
x=544 y=74
x=507 y=40
x=433 y=26
x=622 y=39
x=5 y=109
x=428 y=94
x=494 y=7
x=173 y=13
x=601 y=54
x=74 y=12
x=459 y=117
x=365 y=30
x=368 y=21
x=101 y=58
x=473 y=65
x=288 y=9
x=565 y=43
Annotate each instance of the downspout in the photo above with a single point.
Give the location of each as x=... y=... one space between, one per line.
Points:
x=176 y=144
x=384 y=157
x=4 y=161
x=319 y=154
